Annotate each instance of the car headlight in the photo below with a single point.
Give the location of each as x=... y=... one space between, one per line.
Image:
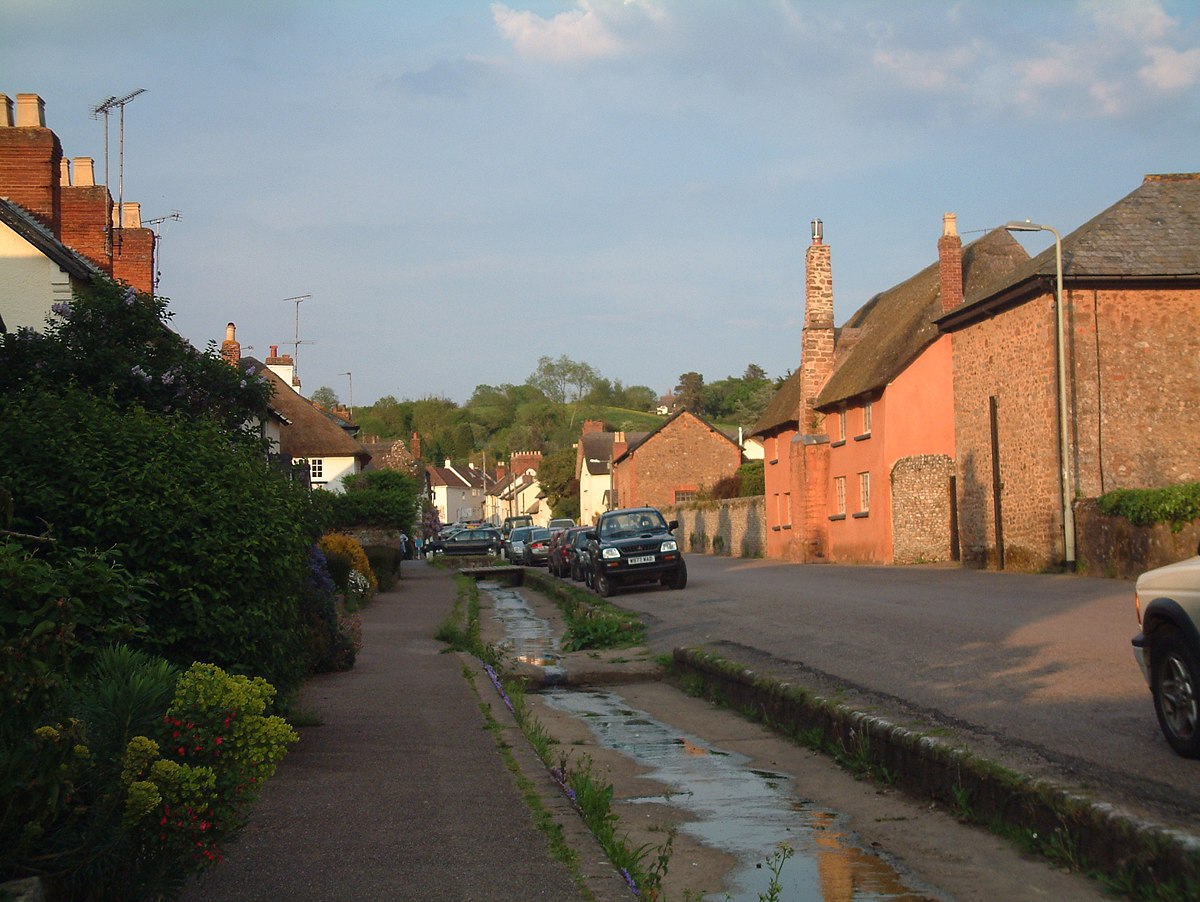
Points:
x=610 y=554
x=669 y=545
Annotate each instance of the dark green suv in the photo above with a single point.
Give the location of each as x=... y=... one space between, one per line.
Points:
x=633 y=545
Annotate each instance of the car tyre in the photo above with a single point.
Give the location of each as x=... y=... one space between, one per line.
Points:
x=604 y=585
x=678 y=580
x=1176 y=693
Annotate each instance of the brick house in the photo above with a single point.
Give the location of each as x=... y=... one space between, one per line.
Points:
x=39 y=181
x=671 y=464
x=1131 y=304
x=859 y=441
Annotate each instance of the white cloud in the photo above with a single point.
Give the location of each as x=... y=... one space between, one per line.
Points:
x=1171 y=70
x=580 y=34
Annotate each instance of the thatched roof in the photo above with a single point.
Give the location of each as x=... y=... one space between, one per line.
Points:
x=896 y=325
x=309 y=432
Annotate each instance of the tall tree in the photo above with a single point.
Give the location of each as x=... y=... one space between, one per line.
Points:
x=689 y=393
x=325 y=396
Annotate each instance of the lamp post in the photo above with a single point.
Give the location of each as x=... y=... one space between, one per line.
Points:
x=1064 y=448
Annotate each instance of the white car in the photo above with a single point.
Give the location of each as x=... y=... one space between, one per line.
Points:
x=1168 y=649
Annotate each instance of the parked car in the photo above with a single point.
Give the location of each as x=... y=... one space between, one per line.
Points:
x=511 y=523
x=514 y=543
x=634 y=545
x=561 y=543
x=1167 y=649
x=536 y=549
x=578 y=565
x=468 y=541
x=561 y=523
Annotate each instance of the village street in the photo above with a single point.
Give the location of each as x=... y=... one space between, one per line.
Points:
x=1035 y=671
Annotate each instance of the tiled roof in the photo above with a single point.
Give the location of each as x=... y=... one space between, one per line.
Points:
x=643 y=437
x=1151 y=234
x=36 y=233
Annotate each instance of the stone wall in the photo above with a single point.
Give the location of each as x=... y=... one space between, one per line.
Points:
x=1114 y=547
x=735 y=527
x=921 y=509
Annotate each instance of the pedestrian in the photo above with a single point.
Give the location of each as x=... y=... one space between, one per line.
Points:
x=419 y=545
x=403 y=545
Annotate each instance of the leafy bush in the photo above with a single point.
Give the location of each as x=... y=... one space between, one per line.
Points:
x=752 y=478
x=182 y=507
x=1176 y=505
x=382 y=498
x=340 y=545
x=331 y=647
x=142 y=779
x=385 y=564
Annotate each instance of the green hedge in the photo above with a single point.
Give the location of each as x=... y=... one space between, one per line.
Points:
x=1176 y=505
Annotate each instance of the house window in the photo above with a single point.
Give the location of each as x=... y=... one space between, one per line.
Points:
x=866 y=426
x=682 y=496
x=839 y=489
x=864 y=491
x=787 y=510
x=316 y=468
x=842 y=425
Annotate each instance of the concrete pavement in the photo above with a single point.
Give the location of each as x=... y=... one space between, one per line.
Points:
x=401 y=793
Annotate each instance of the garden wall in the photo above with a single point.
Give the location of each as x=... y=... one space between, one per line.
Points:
x=735 y=527
x=1114 y=547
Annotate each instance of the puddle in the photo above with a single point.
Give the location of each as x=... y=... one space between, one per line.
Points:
x=745 y=811
x=528 y=637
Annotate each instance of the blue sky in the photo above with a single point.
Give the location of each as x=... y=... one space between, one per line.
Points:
x=462 y=187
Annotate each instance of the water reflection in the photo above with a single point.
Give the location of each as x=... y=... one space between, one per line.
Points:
x=744 y=811
x=529 y=638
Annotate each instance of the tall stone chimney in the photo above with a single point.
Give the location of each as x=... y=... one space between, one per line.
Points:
x=414 y=446
x=30 y=160
x=950 y=271
x=816 y=339
x=231 y=350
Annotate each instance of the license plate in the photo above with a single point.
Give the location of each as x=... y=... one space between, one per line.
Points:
x=644 y=559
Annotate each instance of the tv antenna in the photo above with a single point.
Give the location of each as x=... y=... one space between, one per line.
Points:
x=298 y=300
x=157 y=223
x=102 y=109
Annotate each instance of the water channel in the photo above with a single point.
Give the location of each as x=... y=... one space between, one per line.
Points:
x=730 y=805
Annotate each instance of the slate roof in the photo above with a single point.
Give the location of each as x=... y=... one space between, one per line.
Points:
x=1150 y=235
x=896 y=325
x=37 y=234
x=309 y=433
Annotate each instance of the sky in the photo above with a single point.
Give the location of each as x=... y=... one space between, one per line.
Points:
x=460 y=187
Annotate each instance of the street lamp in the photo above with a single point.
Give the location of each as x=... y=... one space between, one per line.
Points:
x=1068 y=512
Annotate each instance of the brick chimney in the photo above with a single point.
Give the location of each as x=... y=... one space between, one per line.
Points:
x=86 y=212
x=950 y=270
x=592 y=426
x=30 y=159
x=520 y=461
x=133 y=248
x=230 y=349
x=415 y=446
x=816 y=339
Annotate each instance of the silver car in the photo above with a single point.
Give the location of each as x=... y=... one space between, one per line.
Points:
x=1168 y=649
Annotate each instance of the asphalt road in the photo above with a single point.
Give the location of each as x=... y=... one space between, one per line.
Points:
x=1034 y=670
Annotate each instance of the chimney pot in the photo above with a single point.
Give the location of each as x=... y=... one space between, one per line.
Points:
x=31 y=111
x=6 y=111
x=818 y=231
x=949 y=224
x=64 y=172
x=85 y=172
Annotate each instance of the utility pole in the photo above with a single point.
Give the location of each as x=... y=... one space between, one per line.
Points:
x=350 y=376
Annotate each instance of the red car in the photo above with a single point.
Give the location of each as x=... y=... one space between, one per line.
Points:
x=559 y=562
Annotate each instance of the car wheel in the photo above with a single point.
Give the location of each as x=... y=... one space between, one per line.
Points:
x=679 y=580
x=1176 y=694
x=603 y=581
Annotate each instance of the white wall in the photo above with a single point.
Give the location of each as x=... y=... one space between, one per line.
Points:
x=30 y=283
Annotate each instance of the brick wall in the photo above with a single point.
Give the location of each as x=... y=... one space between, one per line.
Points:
x=1009 y=357
x=1133 y=409
x=1113 y=547
x=133 y=258
x=684 y=455
x=30 y=163
x=735 y=527
x=86 y=212
x=921 y=509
